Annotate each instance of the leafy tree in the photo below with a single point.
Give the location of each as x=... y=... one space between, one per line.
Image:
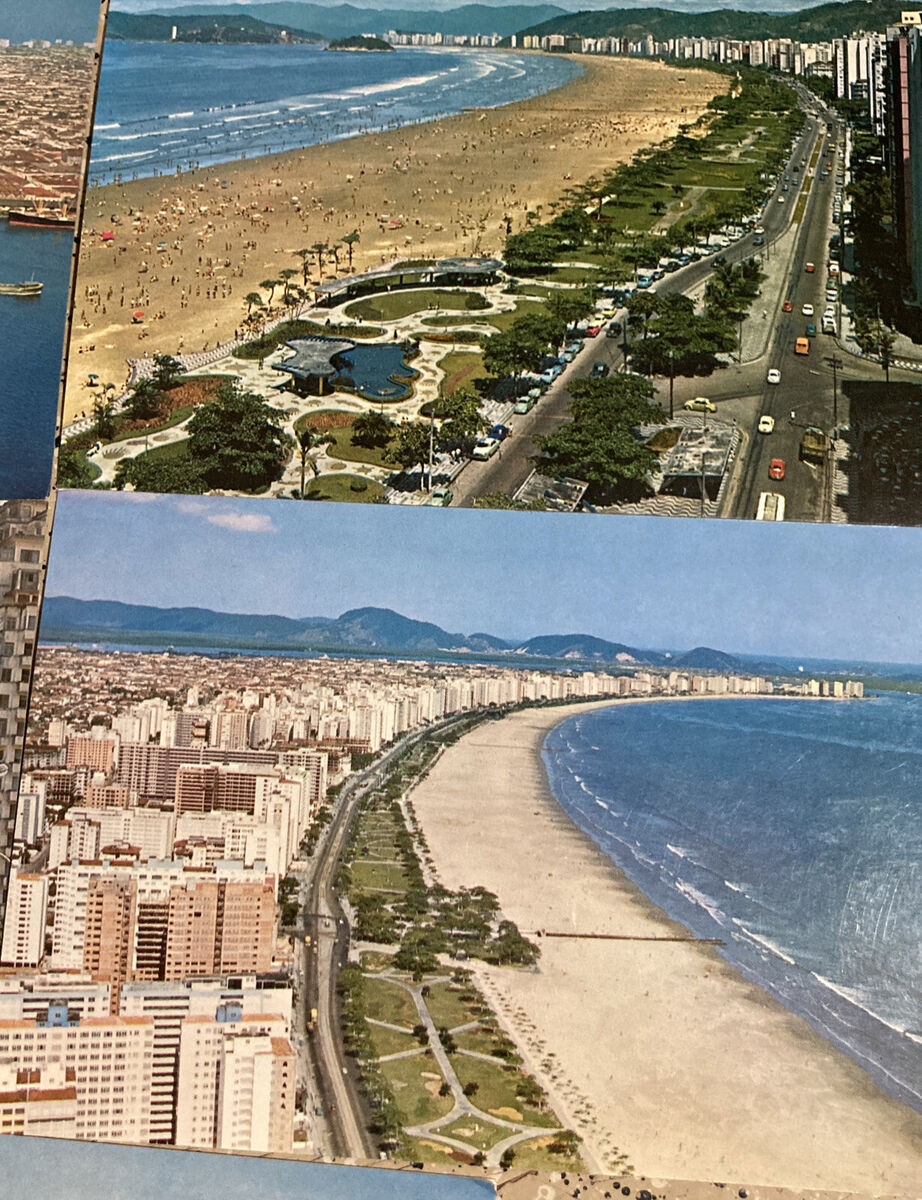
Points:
x=571 y=306
x=252 y=300
x=531 y=251
x=73 y=469
x=270 y=285
x=599 y=445
x=167 y=371
x=410 y=448
x=501 y=500
x=873 y=337
x=237 y=440
x=462 y=420
x=372 y=429
x=146 y=474
x=146 y=401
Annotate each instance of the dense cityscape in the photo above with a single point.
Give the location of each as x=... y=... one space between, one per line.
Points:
x=151 y=984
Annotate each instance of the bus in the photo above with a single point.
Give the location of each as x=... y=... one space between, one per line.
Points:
x=771 y=507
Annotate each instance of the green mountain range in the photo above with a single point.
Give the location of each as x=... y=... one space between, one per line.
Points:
x=817 y=24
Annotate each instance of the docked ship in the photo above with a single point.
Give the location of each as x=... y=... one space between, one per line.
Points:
x=42 y=217
x=29 y=288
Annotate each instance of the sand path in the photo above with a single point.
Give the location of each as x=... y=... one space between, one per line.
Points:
x=450 y=186
x=659 y=1052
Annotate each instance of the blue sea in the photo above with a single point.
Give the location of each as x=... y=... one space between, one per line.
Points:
x=792 y=830
x=162 y=107
x=31 y=348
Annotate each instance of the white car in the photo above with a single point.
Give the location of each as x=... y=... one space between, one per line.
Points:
x=774 y=376
x=807 y=310
x=486 y=447
x=766 y=424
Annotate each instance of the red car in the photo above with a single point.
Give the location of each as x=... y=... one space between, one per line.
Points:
x=788 y=306
x=593 y=331
x=776 y=468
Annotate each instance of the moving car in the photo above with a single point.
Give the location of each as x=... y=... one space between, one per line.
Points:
x=700 y=404
x=484 y=448
x=774 y=375
x=811 y=329
x=776 y=468
x=807 y=310
x=810 y=268
x=788 y=306
x=614 y=330
x=802 y=345
x=599 y=370
x=766 y=423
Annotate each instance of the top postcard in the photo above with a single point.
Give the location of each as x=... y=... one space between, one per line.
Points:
x=542 y=266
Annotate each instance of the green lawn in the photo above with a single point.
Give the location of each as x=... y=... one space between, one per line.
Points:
x=378 y=875
x=342 y=446
x=429 y=1151
x=415 y=1083
x=463 y=368
x=168 y=453
x=391 y=306
x=176 y=418
x=478 y=1132
x=496 y=1091
x=388 y=1041
x=339 y=487
x=386 y=1001
x=534 y=1155
x=446 y=1007
x=482 y=1040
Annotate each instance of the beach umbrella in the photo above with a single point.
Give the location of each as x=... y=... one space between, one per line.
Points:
x=108 y=236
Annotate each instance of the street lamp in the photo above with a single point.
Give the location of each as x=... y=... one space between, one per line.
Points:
x=837 y=364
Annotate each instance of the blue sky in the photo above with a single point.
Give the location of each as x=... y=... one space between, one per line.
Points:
x=817 y=591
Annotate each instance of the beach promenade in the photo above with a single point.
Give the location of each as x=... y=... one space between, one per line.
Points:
x=660 y=1054
x=185 y=251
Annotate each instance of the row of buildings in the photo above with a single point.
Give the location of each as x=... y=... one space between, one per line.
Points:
x=145 y=989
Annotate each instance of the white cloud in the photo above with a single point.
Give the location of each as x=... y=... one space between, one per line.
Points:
x=243 y=522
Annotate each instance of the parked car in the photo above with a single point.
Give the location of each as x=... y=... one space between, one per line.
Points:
x=499 y=432
x=525 y=404
x=440 y=497
x=593 y=331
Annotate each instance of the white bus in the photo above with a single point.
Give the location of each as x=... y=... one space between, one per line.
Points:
x=771 y=507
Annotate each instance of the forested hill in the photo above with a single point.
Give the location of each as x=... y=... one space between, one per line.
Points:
x=215 y=27
x=817 y=24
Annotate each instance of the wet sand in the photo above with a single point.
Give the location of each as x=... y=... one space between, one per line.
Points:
x=450 y=187
x=660 y=1055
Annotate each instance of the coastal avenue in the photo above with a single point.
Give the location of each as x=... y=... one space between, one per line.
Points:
x=741 y=392
x=343 y=1119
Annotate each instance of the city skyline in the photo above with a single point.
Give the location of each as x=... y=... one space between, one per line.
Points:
x=731 y=585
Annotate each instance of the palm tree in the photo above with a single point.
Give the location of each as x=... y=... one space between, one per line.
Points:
x=307 y=439
x=320 y=249
x=271 y=284
x=251 y=300
x=349 y=241
x=304 y=255
x=288 y=273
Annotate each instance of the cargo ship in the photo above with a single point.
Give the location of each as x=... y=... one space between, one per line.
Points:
x=29 y=288
x=43 y=217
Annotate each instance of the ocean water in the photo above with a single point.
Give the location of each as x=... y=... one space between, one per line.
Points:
x=31 y=348
x=792 y=830
x=163 y=107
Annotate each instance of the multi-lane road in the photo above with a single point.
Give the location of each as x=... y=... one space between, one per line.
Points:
x=797 y=224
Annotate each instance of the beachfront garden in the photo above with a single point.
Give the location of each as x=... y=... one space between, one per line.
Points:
x=444 y=1081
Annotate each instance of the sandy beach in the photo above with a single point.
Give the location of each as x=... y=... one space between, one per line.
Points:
x=660 y=1055
x=450 y=186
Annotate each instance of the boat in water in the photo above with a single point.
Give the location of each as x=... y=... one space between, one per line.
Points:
x=45 y=218
x=29 y=288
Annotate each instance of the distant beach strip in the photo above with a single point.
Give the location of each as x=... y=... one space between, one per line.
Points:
x=645 y=1043
x=168 y=107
